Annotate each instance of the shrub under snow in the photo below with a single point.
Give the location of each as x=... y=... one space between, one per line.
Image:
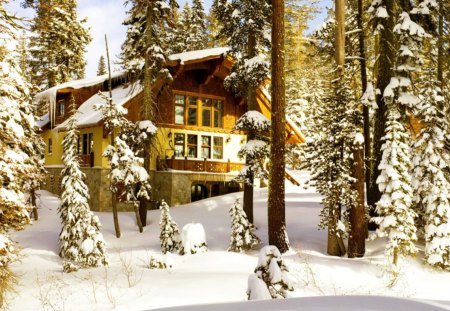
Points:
x=194 y=240
x=170 y=234
x=242 y=231
x=272 y=270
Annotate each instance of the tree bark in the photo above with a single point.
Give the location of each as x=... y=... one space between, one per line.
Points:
x=357 y=215
x=112 y=142
x=251 y=105
x=276 y=202
x=148 y=103
x=384 y=74
x=440 y=60
x=362 y=55
x=33 y=204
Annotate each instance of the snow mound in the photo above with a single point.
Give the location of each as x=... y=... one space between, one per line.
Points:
x=194 y=239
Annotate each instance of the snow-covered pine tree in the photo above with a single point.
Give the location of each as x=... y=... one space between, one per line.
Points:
x=58 y=43
x=101 y=69
x=17 y=139
x=134 y=48
x=196 y=36
x=244 y=24
x=396 y=217
x=169 y=236
x=255 y=151
x=431 y=182
x=242 y=231
x=81 y=242
x=273 y=271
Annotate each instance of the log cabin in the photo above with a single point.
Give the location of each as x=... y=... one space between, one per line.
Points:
x=195 y=154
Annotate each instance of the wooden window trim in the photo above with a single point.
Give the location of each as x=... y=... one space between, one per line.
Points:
x=199 y=111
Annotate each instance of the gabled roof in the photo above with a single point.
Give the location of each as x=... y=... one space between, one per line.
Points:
x=86 y=114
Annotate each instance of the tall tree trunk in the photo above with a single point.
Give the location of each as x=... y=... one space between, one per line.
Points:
x=358 y=225
x=440 y=60
x=384 y=74
x=335 y=245
x=251 y=105
x=148 y=103
x=276 y=202
x=362 y=57
x=113 y=194
x=33 y=204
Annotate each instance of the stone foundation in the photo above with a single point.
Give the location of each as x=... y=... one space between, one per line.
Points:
x=175 y=187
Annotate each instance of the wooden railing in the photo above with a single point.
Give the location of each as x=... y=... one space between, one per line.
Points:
x=204 y=165
x=86 y=160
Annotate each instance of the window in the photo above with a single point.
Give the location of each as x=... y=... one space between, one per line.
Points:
x=85 y=143
x=206 y=112
x=218 y=148
x=192 y=146
x=179 y=109
x=179 y=145
x=218 y=113
x=206 y=147
x=192 y=110
x=61 y=107
x=196 y=111
x=50 y=146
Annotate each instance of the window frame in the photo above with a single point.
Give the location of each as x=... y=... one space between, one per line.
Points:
x=199 y=108
x=217 y=146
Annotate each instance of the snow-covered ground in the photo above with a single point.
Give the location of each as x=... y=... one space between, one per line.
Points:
x=218 y=276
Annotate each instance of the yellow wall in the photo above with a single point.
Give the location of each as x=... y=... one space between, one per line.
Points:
x=57 y=137
x=162 y=147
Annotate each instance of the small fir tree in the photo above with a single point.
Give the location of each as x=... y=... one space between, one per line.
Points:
x=396 y=217
x=196 y=35
x=169 y=236
x=81 y=242
x=273 y=271
x=242 y=231
x=101 y=69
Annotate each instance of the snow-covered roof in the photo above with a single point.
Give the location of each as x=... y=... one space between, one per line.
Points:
x=86 y=114
x=43 y=121
x=49 y=95
x=199 y=55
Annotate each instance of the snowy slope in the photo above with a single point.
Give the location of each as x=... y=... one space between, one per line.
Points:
x=216 y=276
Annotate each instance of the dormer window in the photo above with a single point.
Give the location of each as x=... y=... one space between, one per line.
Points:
x=61 y=104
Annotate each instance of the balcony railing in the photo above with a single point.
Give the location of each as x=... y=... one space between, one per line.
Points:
x=86 y=160
x=195 y=165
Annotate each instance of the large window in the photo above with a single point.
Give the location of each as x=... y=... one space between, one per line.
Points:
x=198 y=111
x=198 y=146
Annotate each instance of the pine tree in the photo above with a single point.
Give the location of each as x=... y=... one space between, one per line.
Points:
x=243 y=26
x=242 y=231
x=169 y=236
x=58 y=43
x=431 y=182
x=396 y=217
x=81 y=242
x=101 y=70
x=273 y=271
x=196 y=36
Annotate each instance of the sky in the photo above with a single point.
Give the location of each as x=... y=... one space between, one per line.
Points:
x=106 y=17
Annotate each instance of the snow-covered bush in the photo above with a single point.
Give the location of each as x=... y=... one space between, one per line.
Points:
x=157 y=263
x=193 y=239
x=81 y=242
x=242 y=231
x=7 y=278
x=272 y=270
x=257 y=289
x=169 y=233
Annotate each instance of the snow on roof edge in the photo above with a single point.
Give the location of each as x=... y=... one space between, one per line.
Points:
x=199 y=54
